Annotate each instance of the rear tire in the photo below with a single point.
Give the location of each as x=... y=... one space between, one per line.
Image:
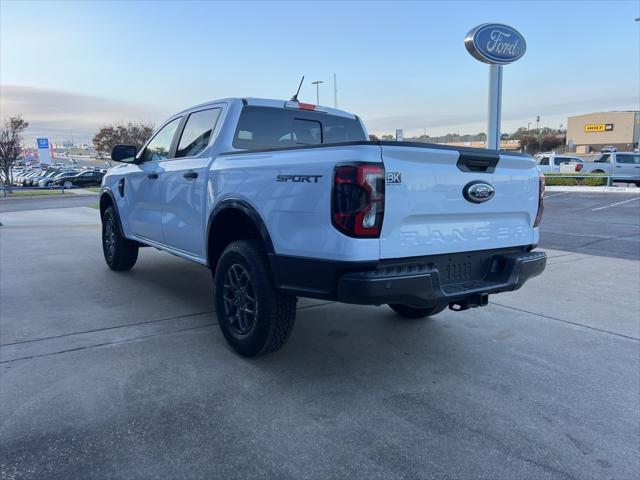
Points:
x=119 y=252
x=254 y=316
x=412 y=312
x=68 y=184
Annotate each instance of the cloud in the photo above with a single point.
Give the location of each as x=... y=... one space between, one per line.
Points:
x=60 y=115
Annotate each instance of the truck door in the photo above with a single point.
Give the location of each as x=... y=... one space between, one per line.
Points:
x=142 y=193
x=184 y=184
x=627 y=166
x=544 y=164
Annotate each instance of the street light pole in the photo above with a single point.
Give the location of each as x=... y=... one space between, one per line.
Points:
x=317 y=84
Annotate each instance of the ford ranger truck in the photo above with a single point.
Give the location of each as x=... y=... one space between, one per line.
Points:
x=283 y=199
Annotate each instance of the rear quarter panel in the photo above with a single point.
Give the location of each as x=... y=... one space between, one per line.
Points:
x=297 y=213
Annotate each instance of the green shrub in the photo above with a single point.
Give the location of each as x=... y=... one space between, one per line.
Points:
x=591 y=180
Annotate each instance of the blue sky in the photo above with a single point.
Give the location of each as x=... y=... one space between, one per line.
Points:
x=69 y=66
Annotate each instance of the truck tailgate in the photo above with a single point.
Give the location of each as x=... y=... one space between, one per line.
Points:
x=426 y=212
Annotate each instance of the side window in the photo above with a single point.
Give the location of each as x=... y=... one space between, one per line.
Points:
x=197 y=132
x=544 y=161
x=560 y=160
x=628 y=158
x=604 y=158
x=159 y=147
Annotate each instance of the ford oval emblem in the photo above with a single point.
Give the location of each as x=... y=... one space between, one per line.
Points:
x=478 y=192
x=495 y=43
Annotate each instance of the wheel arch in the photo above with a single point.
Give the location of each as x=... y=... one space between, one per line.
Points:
x=108 y=200
x=241 y=221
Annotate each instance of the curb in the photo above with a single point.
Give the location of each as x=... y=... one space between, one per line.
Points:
x=585 y=189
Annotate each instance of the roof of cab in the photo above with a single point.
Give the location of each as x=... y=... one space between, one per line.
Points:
x=265 y=102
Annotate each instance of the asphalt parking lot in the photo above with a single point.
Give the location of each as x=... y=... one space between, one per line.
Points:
x=603 y=224
x=107 y=375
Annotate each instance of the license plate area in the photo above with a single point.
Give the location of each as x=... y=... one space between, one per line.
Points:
x=458 y=268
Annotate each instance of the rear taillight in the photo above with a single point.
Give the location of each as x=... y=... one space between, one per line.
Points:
x=540 y=202
x=357 y=206
x=578 y=167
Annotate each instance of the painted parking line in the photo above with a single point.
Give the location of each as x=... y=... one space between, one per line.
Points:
x=614 y=204
x=556 y=195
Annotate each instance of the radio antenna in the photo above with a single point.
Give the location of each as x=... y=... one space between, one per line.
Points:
x=295 y=97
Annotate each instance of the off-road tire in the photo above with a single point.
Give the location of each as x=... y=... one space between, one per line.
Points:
x=274 y=312
x=412 y=312
x=124 y=253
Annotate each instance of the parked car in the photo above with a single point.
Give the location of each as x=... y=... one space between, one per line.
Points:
x=623 y=166
x=285 y=199
x=82 y=179
x=21 y=179
x=48 y=182
x=550 y=163
x=608 y=149
x=35 y=181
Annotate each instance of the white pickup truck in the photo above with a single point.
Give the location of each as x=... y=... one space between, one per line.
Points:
x=553 y=163
x=623 y=166
x=287 y=199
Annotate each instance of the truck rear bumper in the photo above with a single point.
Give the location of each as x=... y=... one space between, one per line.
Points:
x=422 y=285
x=465 y=279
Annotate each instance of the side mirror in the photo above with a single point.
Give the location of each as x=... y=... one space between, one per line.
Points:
x=124 y=153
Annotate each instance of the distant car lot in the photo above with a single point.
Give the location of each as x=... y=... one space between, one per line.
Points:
x=129 y=377
x=46 y=176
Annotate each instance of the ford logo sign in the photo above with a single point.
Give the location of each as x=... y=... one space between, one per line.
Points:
x=478 y=192
x=495 y=43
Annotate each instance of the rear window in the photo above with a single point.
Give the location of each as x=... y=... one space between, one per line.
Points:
x=267 y=127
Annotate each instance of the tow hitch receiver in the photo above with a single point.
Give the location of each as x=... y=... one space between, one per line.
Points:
x=476 y=300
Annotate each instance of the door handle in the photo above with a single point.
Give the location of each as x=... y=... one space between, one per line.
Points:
x=152 y=176
x=190 y=174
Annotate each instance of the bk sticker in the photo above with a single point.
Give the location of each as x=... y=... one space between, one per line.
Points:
x=394 y=177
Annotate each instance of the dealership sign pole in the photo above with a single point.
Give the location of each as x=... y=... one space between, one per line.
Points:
x=497 y=45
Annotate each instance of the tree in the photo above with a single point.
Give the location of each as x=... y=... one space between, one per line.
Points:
x=550 y=141
x=10 y=146
x=388 y=137
x=129 y=134
x=529 y=143
x=373 y=138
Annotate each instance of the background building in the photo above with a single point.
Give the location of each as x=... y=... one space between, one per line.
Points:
x=592 y=131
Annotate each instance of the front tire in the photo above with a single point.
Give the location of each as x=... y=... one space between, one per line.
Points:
x=68 y=184
x=412 y=312
x=255 y=318
x=119 y=252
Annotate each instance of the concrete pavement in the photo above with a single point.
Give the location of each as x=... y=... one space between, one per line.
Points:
x=126 y=375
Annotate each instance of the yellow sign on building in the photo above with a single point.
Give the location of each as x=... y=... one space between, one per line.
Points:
x=598 y=127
